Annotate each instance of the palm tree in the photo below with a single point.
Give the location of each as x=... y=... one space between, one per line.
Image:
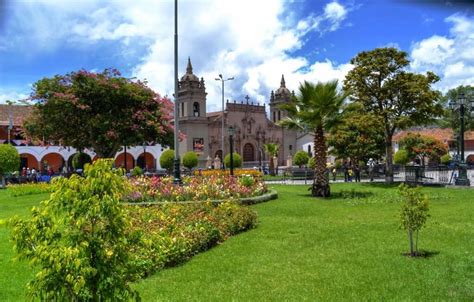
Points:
x=316 y=109
x=272 y=150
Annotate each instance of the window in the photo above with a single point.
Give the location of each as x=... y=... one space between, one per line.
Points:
x=274 y=116
x=290 y=147
x=279 y=115
x=198 y=145
x=249 y=128
x=196 y=109
x=182 y=109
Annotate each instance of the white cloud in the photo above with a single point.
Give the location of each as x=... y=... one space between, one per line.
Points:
x=246 y=39
x=451 y=57
x=11 y=96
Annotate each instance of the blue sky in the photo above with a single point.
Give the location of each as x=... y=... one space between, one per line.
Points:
x=254 y=41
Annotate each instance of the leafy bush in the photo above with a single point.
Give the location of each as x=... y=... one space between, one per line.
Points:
x=401 y=157
x=312 y=163
x=9 y=161
x=446 y=159
x=167 y=160
x=172 y=233
x=300 y=158
x=413 y=214
x=246 y=181
x=80 y=159
x=80 y=239
x=190 y=160
x=236 y=159
x=137 y=171
x=29 y=189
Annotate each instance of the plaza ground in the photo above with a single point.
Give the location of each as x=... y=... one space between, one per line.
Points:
x=346 y=248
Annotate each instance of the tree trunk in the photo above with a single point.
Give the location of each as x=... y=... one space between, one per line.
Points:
x=410 y=238
x=3 y=182
x=271 y=166
x=388 y=158
x=320 y=186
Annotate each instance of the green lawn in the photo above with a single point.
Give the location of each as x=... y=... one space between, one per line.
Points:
x=345 y=248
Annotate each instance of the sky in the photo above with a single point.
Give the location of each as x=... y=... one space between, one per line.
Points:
x=253 y=41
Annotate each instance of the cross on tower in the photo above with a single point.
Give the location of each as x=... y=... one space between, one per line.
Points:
x=247 y=98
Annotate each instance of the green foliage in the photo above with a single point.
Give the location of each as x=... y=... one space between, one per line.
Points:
x=236 y=159
x=338 y=163
x=301 y=158
x=316 y=109
x=80 y=160
x=446 y=159
x=413 y=214
x=422 y=146
x=9 y=159
x=359 y=136
x=190 y=160
x=450 y=118
x=312 y=163
x=79 y=239
x=137 y=171
x=401 y=157
x=381 y=83
x=99 y=111
x=167 y=160
x=247 y=181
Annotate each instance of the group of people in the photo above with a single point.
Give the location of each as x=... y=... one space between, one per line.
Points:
x=33 y=175
x=352 y=170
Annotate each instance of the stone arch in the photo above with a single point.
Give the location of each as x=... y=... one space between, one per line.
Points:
x=52 y=160
x=248 y=152
x=196 y=109
x=29 y=161
x=146 y=160
x=120 y=161
x=69 y=160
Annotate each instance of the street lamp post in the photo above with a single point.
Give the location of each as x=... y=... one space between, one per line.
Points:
x=221 y=78
x=231 y=145
x=460 y=104
x=177 y=172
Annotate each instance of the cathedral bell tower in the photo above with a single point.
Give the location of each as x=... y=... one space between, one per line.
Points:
x=192 y=114
x=280 y=96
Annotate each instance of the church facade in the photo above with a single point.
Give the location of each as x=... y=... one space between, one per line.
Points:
x=252 y=127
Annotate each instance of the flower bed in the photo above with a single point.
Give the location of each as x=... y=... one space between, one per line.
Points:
x=237 y=172
x=172 y=233
x=29 y=189
x=197 y=188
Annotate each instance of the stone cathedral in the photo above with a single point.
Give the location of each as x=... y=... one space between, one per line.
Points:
x=252 y=127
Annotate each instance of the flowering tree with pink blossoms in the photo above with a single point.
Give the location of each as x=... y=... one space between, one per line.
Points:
x=99 y=111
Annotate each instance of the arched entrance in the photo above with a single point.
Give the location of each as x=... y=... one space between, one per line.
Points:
x=249 y=152
x=69 y=161
x=52 y=160
x=120 y=161
x=28 y=161
x=146 y=161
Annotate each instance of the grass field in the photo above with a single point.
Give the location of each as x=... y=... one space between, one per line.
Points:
x=346 y=248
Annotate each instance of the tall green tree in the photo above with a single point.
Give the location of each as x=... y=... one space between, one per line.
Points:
x=316 y=109
x=99 y=111
x=450 y=118
x=359 y=136
x=381 y=83
x=272 y=150
x=422 y=146
x=9 y=161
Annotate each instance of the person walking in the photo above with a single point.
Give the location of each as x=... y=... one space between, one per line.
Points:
x=371 y=166
x=357 y=172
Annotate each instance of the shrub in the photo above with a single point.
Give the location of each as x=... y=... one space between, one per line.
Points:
x=80 y=239
x=312 y=163
x=190 y=160
x=29 y=189
x=167 y=160
x=79 y=160
x=137 y=171
x=413 y=214
x=246 y=181
x=9 y=161
x=236 y=158
x=300 y=158
x=446 y=159
x=401 y=157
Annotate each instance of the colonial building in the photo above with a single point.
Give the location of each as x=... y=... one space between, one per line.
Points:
x=42 y=156
x=253 y=129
